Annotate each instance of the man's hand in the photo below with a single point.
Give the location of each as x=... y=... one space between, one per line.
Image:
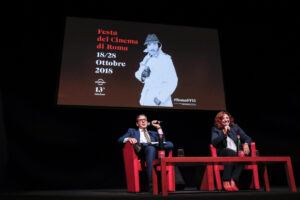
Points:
x=246 y=149
x=146 y=72
x=155 y=124
x=132 y=140
x=157 y=101
x=146 y=58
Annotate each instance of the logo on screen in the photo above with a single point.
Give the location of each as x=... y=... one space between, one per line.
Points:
x=99 y=91
x=100 y=81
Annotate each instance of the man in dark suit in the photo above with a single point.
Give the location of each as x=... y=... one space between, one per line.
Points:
x=144 y=137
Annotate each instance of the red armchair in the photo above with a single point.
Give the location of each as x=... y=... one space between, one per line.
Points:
x=133 y=166
x=253 y=167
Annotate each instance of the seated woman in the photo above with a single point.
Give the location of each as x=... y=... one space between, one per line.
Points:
x=224 y=139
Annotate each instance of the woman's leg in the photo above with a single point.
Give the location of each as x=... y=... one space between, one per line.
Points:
x=228 y=169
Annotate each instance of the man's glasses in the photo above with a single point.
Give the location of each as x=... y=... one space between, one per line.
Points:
x=142 y=120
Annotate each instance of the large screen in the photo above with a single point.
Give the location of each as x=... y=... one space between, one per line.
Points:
x=140 y=65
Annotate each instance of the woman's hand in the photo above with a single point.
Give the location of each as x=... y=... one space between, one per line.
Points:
x=246 y=149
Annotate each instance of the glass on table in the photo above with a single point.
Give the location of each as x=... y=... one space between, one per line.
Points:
x=180 y=153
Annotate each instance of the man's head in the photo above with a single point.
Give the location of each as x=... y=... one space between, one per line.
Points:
x=153 y=44
x=141 y=121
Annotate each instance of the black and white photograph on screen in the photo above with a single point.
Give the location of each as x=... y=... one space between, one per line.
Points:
x=153 y=67
x=158 y=75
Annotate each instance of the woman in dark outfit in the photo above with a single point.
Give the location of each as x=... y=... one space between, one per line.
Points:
x=224 y=139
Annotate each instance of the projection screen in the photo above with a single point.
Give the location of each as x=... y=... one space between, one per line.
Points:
x=111 y=63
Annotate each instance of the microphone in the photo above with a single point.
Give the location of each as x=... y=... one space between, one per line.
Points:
x=158 y=122
x=227 y=124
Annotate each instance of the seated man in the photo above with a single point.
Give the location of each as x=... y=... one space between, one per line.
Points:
x=144 y=138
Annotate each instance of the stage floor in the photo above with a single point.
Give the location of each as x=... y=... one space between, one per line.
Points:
x=188 y=193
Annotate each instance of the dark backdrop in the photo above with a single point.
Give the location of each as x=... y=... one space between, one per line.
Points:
x=59 y=147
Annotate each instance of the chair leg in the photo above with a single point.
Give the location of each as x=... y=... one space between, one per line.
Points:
x=255 y=178
x=154 y=179
x=207 y=182
x=171 y=179
x=132 y=180
x=135 y=180
x=218 y=177
x=266 y=178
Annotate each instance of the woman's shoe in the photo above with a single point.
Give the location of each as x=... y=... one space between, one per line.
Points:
x=233 y=186
x=229 y=189
x=226 y=186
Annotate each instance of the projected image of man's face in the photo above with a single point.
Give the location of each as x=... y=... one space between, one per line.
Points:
x=152 y=48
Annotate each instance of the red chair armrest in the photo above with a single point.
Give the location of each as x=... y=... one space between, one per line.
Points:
x=253 y=149
x=213 y=151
